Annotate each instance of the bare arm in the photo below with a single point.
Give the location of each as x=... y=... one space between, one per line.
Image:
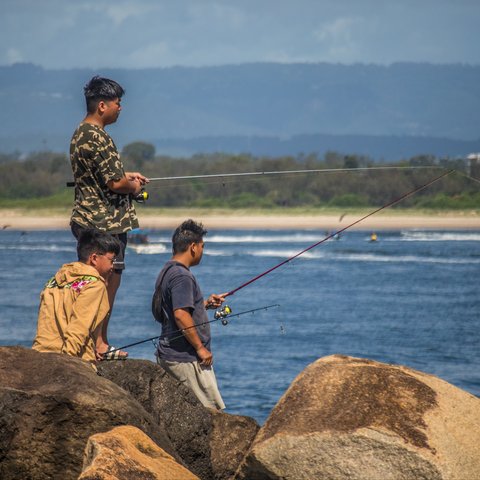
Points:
x=132 y=183
x=185 y=323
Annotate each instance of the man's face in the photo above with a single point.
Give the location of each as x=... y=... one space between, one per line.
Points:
x=111 y=110
x=103 y=263
x=197 y=252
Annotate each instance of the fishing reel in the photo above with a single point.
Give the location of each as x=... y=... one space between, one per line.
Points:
x=223 y=313
x=142 y=197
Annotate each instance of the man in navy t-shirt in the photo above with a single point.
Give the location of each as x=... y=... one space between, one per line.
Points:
x=184 y=347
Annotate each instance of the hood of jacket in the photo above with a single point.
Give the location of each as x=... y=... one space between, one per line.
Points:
x=71 y=274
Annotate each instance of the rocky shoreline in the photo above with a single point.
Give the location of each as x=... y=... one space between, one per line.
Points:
x=341 y=418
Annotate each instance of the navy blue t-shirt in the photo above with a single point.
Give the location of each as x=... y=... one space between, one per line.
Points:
x=179 y=289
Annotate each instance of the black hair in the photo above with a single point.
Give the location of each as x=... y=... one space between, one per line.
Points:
x=92 y=241
x=187 y=233
x=98 y=89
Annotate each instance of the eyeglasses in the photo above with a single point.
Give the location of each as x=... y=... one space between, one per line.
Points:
x=110 y=259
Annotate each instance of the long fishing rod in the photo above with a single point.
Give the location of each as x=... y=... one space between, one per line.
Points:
x=284 y=172
x=224 y=314
x=279 y=172
x=143 y=196
x=397 y=200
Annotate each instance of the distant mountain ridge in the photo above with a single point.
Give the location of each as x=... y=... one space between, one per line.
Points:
x=385 y=112
x=380 y=148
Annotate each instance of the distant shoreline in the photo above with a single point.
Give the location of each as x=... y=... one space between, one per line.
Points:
x=16 y=219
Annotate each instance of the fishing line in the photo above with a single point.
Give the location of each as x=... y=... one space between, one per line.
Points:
x=224 y=315
x=467 y=176
x=397 y=200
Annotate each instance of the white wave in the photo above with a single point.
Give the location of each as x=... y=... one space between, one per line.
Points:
x=41 y=248
x=284 y=254
x=156 y=248
x=418 y=236
x=269 y=238
x=218 y=253
x=159 y=239
x=370 y=257
x=361 y=257
x=292 y=238
x=149 y=249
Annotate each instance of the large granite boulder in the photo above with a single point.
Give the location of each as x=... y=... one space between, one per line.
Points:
x=50 y=404
x=210 y=443
x=126 y=453
x=348 y=418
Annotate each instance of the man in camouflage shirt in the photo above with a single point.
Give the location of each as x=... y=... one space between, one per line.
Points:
x=103 y=190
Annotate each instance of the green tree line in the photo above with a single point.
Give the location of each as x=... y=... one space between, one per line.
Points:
x=40 y=180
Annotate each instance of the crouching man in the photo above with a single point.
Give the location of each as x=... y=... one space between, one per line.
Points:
x=184 y=347
x=74 y=302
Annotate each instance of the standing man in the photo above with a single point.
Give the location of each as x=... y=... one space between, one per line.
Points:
x=103 y=190
x=74 y=302
x=179 y=305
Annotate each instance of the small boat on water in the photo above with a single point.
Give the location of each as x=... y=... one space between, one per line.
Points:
x=139 y=242
x=137 y=237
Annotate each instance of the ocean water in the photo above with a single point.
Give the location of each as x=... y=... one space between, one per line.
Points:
x=411 y=298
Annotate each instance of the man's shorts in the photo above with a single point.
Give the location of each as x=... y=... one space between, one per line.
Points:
x=201 y=381
x=119 y=263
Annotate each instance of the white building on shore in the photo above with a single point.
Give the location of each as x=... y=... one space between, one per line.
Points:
x=474 y=165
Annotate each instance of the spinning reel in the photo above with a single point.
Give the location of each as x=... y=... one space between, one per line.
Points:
x=223 y=313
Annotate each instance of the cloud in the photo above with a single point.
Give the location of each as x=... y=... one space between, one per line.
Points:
x=149 y=55
x=14 y=55
x=220 y=15
x=339 y=39
x=339 y=30
x=154 y=33
x=122 y=11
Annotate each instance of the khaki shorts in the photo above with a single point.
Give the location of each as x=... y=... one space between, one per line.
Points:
x=201 y=380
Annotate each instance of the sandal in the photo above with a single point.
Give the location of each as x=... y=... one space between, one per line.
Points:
x=113 y=353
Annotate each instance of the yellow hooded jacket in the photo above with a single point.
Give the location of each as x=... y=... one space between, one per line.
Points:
x=72 y=306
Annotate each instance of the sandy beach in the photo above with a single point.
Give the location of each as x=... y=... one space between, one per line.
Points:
x=17 y=219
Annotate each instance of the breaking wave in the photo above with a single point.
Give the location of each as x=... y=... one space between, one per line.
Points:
x=149 y=249
x=40 y=248
x=414 y=236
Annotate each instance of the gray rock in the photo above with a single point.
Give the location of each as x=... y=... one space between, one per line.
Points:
x=50 y=404
x=347 y=418
x=210 y=443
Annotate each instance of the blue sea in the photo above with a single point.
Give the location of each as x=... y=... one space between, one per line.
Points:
x=411 y=298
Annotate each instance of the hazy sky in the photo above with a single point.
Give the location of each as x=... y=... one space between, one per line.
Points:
x=161 y=33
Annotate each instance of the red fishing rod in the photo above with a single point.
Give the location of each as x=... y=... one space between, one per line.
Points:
x=397 y=200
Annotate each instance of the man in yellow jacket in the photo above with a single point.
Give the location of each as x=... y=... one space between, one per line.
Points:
x=74 y=303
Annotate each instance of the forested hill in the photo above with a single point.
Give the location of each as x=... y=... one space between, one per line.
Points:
x=268 y=109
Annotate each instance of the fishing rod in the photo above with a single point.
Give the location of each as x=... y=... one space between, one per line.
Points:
x=224 y=314
x=397 y=200
x=143 y=196
x=284 y=172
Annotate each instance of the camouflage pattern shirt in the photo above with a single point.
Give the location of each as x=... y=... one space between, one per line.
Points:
x=95 y=161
